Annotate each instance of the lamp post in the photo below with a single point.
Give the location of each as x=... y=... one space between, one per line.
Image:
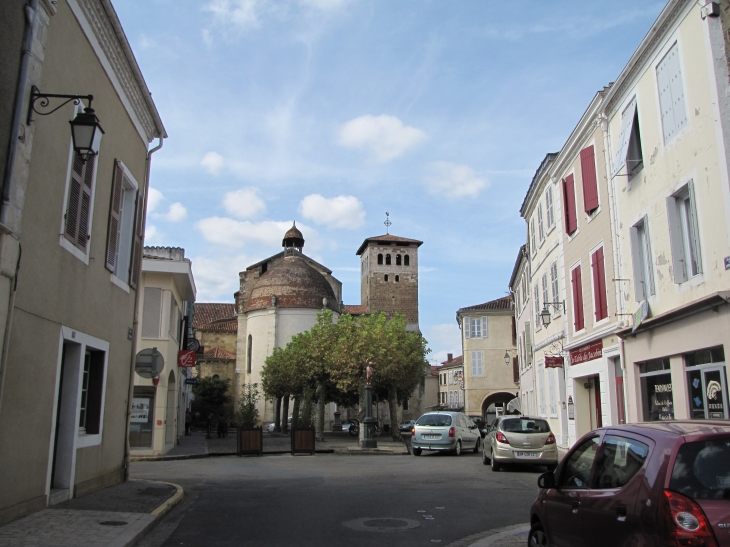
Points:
x=368 y=439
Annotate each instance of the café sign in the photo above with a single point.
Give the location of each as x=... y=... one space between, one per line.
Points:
x=554 y=361
x=586 y=353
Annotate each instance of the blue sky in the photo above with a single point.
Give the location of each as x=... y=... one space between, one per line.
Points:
x=331 y=112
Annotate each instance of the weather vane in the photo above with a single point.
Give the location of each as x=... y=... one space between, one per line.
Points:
x=387 y=222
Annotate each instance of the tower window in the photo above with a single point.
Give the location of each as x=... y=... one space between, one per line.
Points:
x=380 y=258
x=397 y=260
x=387 y=260
x=406 y=260
x=397 y=278
x=386 y=277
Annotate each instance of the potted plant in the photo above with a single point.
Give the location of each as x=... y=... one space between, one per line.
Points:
x=250 y=439
x=302 y=428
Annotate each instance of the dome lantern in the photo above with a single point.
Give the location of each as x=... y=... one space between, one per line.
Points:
x=293 y=239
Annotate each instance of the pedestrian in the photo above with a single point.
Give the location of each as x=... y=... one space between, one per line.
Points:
x=188 y=422
x=209 y=426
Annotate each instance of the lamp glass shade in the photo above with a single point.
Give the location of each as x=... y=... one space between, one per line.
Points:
x=545 y=316
x=86 y=133
x=506 y=358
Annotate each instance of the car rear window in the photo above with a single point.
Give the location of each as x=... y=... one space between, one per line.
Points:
x=702 y=470
x=525 y=425
x=437 y=420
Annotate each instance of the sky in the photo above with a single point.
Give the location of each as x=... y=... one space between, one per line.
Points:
x=332 y=112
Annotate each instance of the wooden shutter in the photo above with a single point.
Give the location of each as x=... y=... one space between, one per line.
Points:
x=135 y=265
x=528 y=343
x=590 y=186
x=78 y=206
x=466 y=326
x=676 y=240
x=485 y=331
x=637 y=261
x=599 y=285
x=577 y=299
x=115 y=209
x=571 y=221
x=515 y=370
x=514 y=331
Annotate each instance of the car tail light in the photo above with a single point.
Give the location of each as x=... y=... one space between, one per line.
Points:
x=452 y=432
x=501 y=438
x=684 y=523
x=550 y=439
x=413 y=431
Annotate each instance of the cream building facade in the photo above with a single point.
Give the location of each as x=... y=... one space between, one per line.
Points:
x=451 y=383
x=519 y=287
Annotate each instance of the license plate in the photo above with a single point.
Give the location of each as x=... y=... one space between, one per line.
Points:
x=528 y=454
x=432 y=436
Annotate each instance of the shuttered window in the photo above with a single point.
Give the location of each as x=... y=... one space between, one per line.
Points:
x=152 y=312
x=684 y=234
x=123 y=245
x=537 y=306
x=477 y=367
x=671 y=94
x=466 y=327
x=590 y=185
x=555 y=286
x=540 y=224
x=641 y=260
x=571 y=219
x=528 y=344
x=533 y=238
x=78 y=205
x=549 y=209
x=600 y=303
x=577 y=285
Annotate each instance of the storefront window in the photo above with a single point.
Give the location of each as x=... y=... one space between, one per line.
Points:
x=656 y=390
x=140 y=426
x=706 y=385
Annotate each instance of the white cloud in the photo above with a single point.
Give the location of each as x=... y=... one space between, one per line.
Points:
x=236 y=234
x=177 y=212
x=216 y=279
x=384 y=136
x=241 y=14
x=454 y=180
x=154 y=197
x=213 y=162
x=443 y=339
x=340 y=212
x=244 y=203
x=152 y=236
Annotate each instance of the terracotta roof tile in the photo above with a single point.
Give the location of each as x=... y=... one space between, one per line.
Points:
x=206 y=313
x=504 y=303
x=387 y=238
x=218 y=353
x=454 y=362
x=356 y=309
x=224 y=325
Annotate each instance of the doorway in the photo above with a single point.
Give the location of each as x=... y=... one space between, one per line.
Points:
x=63 y=463
x=171 y=410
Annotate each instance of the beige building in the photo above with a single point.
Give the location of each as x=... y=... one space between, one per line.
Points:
x=216 y=329
x=66 y=370
x=668 y=131
x=451 y=383
x=519 y=286
x=158 y=405
x=487 y=334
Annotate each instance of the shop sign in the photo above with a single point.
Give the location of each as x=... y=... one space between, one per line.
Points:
x=140 y=410
x=586 y=353
x=554 y=361
x=192 y=381
x=186 y=358
x=640 y=314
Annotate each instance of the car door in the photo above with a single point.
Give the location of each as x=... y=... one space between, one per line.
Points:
x=489 y=439
x=463 y=431
x=562 y=505
x=610 y=507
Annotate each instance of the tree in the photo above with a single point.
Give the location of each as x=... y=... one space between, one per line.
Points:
x=211 y=395
x=247 y=414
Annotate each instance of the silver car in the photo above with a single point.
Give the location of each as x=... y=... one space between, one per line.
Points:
x=519 y=439
x=446 y=431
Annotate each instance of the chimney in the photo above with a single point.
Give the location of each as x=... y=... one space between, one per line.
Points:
x=449 y=357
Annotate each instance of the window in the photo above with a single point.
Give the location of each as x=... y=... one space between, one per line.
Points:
x=629 y=146
x=406 y=260
x=707 y=389
x=477 y=368
x=641 y=259
x=549 y=209
x=77 y=216
x=600 y=301
x=249 y=353
x=590 y=184
x=387 y=260
x=537 y=307
x=671 y=94
x=701 y=471
x=551 y=388
x=540 y=225
x=92 y=385
x=555 y=286
x=684 y=234
x=397 y=260
x=397 y=278
x=571 y=219
x=577 y=470
x=175 y=318
x=533 y=239
x=476 y=327
x=619 y=460
x=577 y=283
x=123 y=241
x=656 y=390
x=405 y=404
x=380 y=258
x=528 y=344
x=385 y=277
x=545 y=290
x=152 y=312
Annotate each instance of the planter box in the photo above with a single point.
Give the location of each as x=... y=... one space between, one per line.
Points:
x=302 y=440
x=249 y=441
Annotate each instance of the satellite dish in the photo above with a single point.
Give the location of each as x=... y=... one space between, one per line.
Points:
x=149 y=363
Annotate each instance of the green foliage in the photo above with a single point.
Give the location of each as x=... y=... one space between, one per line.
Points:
x=247 y=414
x=210 y=396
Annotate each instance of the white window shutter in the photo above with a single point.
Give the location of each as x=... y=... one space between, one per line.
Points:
x=485 y=332
x=627 y=122
x=528 y=344
x=152 y=312
x=679 y=269
x=638 y=265
x=466 y=327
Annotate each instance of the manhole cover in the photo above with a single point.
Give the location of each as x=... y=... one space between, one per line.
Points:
x=113 y=523
x=387 y=524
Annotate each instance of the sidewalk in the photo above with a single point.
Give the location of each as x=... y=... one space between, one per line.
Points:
x=116 y=516
x=509 y=536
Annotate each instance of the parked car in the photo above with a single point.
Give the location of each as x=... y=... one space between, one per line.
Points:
x=448 y=431
x=653 y=483
x=407 y=425
x=519 y=439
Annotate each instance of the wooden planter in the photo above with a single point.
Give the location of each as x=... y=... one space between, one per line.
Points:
x=302 y=440
x=249 y=441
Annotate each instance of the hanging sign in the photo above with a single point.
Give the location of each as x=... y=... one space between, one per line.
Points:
x=554 y=361
x=640 y=314
x=186 y=358
x=586 y=353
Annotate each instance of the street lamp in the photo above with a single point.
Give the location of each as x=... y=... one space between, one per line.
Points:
x=506 y=358
x=86 y=131
x=545 y=313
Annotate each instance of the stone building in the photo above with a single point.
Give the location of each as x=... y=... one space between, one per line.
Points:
x=216 y=328
x=451 y=383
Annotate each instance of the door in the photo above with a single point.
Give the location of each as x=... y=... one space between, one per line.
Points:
x=610 y=507
x=562 y=509
x=708 y=392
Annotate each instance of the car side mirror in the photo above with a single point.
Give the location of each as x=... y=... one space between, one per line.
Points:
x=546 y=480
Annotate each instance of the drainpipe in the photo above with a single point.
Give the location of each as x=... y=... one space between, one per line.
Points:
x=135 y=324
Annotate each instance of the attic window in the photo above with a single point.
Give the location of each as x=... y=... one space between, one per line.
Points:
x=264 y=267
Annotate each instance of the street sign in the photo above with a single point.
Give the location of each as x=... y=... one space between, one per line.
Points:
x=193 y=344
x=192 y=381
x=186 y=358
x=149 y=363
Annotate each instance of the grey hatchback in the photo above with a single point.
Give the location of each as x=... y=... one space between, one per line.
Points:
x=519 y=439
x=446 y=431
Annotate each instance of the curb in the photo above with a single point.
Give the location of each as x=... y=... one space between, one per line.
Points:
x=492 y=538
x=127 y=540
x=338 y=451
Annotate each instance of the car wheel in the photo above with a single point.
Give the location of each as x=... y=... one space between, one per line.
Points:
x=476 y=446
x=495 y=465
x=537 y=537
x=457 y=450
x=416 y=451
x=485 y=460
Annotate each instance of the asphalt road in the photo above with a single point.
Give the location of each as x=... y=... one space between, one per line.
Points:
x=310 y=500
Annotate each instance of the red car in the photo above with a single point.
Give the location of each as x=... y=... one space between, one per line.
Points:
x=647 y=484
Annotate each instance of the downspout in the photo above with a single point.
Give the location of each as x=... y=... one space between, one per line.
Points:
x=135 y=324
x=30 y=14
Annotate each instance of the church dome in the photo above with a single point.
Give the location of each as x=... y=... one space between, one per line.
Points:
x=292 y=283
x=293 y=238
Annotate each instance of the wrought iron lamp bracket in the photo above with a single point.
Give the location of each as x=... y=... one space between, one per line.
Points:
x=43 y=100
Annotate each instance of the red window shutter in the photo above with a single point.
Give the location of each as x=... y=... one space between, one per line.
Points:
x=599 y=285
x=515 y=369
x=571 y=220
x=578 y=321
x=136 y=263
x=115 y=208
x=590 y=186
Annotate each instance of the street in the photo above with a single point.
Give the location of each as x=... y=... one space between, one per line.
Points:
x=305 y=500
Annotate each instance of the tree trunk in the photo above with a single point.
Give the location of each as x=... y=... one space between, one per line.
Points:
x=307 y=411
x=320 y=411
x=361 y=409
x=277 y=418
x=393 y=410
x=295 y=411
x=285 y=415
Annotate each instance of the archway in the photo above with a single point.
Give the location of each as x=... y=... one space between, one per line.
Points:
x=170 y=413
x=492 y=402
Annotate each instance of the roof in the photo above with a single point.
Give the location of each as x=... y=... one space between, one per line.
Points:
x=281 y=254
x=294 y=232
x=222 y=325
x=218 y=353
x=435 y=370
x=549 y=157
x=207 y=313
x=356 y=309
x=500 y=304
x=387 y=238
x=521 y=255
x=456 y=361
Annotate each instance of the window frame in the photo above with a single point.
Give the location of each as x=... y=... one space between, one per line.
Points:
x=684 y=233
x=126 y=225
x=641 y=260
